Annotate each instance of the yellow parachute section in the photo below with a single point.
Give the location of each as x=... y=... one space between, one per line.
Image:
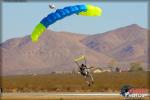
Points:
x=79 y=58
x=92 y=11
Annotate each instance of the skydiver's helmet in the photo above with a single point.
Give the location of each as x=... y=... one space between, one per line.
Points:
x=83 y=66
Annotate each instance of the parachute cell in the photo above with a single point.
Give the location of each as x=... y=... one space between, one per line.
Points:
x=92 y=11
x=79 y=58
x=39 y=29
x=85 y=10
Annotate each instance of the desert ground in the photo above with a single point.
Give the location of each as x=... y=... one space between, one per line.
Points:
x=39 y=87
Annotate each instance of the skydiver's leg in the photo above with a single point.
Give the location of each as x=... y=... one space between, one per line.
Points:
x=87 y=80
x=91 y=77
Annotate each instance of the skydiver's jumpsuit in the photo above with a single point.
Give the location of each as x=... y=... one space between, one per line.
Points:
x=83 y=70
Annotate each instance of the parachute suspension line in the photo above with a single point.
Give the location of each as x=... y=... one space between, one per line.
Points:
x=85 y=61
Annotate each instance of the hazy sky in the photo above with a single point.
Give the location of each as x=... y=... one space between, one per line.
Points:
x=19 y=19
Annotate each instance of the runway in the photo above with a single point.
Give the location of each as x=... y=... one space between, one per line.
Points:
x=64 y=96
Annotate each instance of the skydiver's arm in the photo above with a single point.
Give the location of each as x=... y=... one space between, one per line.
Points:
x=90 y=67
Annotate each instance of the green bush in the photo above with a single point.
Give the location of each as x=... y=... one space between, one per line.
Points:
x=136 y=67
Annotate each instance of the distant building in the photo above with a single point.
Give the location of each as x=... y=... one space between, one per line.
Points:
x=107 y=70
x=98 y=70
x=34 y=74
x=62 y=72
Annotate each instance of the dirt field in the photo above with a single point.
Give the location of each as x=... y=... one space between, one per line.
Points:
x=41 y=87
x=104 y=82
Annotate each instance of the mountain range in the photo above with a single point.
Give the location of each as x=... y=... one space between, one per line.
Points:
x=55 y=51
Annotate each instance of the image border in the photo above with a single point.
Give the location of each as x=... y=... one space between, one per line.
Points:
x=27 y=1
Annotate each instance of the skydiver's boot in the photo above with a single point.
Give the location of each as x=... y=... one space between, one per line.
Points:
x=89 y=84
x=92 y=82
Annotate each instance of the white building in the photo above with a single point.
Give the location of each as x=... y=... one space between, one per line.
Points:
x=98 y=70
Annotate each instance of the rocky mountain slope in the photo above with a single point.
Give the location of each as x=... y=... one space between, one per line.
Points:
x=55 y=51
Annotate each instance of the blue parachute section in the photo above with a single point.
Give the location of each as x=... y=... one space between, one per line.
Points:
x=61 y=13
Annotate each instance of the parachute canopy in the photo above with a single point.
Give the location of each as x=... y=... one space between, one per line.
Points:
x=84 y=10
x=79 y=58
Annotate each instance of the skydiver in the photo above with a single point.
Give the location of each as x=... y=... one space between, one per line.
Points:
x=52 y=6
x=84 y=71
